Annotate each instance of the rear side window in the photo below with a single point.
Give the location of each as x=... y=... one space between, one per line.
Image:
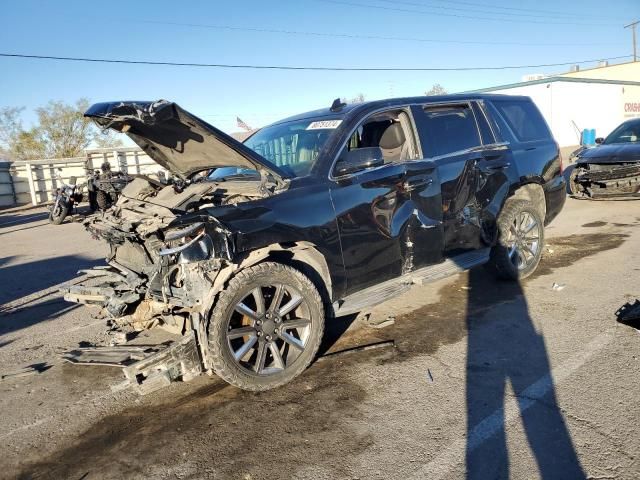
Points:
x=448 y=129
x=524 y=119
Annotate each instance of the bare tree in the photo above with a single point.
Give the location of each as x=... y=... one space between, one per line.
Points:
x=27 y=145
x=62 y=131
x=106 y=139
x=10 y=124
x=436 y=89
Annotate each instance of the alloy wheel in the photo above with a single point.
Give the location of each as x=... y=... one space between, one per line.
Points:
x=523 y=242
x=268 y=329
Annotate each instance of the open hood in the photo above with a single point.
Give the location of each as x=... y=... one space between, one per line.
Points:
x=177 y=140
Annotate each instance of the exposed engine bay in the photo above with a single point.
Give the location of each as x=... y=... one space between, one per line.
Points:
x=168 y=257
x=158 y=272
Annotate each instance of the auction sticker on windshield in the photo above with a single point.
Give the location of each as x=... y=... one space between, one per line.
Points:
x=323 y=124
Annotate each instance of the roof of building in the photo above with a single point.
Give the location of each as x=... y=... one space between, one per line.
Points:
x=616 y=71
x=551 y=80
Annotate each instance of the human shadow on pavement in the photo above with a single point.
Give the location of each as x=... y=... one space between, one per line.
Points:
x=504 y=347
x=25 y=298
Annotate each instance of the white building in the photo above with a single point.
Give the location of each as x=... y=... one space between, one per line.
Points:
x=570 y=104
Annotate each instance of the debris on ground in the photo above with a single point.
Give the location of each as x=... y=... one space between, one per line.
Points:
x=629 y=314
x=558 y=286
x=549 y=249
x=28 y=370
x=381 y=322
x=146 y=367
x=429 y=376
x=360 y=348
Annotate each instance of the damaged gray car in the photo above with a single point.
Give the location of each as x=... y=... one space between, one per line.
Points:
x=610 y=169
x=251 y=246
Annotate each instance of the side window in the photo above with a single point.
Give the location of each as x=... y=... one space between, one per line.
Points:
x=524 y=118
x=483 y=125
x=448 y=129
x=391 y=131
x=501 y=126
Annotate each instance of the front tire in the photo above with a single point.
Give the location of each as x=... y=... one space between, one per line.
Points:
x=520 y=241
x=58 y=213
x=266 y=327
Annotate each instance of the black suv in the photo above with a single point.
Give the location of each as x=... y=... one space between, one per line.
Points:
x=249 y=248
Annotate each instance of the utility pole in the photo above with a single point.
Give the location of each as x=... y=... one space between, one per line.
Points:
x=633 y=30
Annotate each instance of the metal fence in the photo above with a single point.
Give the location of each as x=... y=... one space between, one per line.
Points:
x=33 y=181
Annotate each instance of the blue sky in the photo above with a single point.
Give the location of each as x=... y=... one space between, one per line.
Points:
x=519 y=33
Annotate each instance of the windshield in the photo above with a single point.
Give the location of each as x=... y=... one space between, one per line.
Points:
x=294 y=146
x=628 y=132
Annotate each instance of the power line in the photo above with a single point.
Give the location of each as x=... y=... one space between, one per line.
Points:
x=493 y=6
x=310 y=68
x=362 y=37
x=422 y=12
x=471 y=10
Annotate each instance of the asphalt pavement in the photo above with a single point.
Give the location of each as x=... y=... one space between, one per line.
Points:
x=472 y=377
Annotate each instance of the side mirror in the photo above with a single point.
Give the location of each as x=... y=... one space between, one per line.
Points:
x=599 y=140
x=359 y=159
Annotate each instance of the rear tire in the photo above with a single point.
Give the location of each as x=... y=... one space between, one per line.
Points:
x=520 y=241
x=103 y=200
x=266 y=327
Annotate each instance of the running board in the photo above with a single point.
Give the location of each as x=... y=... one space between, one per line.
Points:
x=391 y=288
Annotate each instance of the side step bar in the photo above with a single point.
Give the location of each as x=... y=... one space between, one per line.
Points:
x=384 y=291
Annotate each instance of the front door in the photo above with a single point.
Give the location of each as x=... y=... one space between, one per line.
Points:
x=388 y=216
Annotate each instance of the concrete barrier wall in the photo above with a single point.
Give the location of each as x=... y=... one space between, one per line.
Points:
x=7 y=194
x=33 y=181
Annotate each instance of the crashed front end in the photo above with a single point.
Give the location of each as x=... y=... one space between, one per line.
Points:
x=595 y=180
x=160 y=267
x=167 y=260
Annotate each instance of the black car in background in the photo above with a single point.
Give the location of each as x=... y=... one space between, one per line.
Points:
x=322 y=214
x=612 y=168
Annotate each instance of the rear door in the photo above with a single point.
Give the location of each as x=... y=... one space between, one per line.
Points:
x=450 y=138
x=497 y=170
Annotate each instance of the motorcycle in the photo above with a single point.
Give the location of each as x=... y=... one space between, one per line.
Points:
x=65 y=198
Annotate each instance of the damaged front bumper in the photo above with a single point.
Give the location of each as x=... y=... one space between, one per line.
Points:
x=606 y=180
x=146 y=367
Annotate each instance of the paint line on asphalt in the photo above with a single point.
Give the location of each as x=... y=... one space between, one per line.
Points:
x=454 y=454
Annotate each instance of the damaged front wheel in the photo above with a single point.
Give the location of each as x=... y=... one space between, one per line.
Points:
x=266 y=327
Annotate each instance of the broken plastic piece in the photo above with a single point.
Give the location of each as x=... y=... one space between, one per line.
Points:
x=629 y=314
x=558 y=286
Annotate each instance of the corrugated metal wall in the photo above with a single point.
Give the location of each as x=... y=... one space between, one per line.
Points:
x=33 y=181
x=7 y=195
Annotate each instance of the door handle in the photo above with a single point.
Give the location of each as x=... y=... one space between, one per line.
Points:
x=495 y=167
x=413 y=184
